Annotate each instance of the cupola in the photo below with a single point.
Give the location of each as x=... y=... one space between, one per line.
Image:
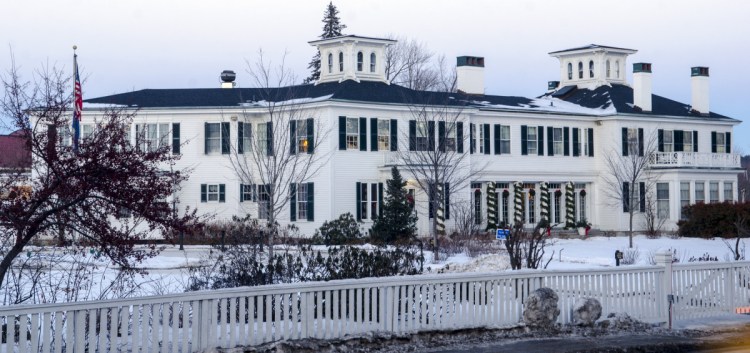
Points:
x=352 y=57
x=592 y=66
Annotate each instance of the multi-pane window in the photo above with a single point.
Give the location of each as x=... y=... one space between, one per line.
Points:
x=700 y=192
x=557 y=212
x=341 y=62
x=302 y=201
x=721 y=143
x=504 y=139
x=364 y=200
x=264 y=202
x=352 y=133
x=422 y=136
x=213 y=138
x=450 y=137
x=373 y=201
x=633 y=143
x=330 y=63
x=608 y=69
x=687 y=141
x=669 y=141
x=360 y=59
x=368 y=197
x=585 y=141
x=372 y=62
x=87 y=130
x=580 y=70
x=617 y=69
x=684 y=197
x=662 y=200
x=247 y=192
x=728 y=191
x=531 y=140
x=262 y=136
x=476 y=202
x=212 y=192
x=591 y=69
x=557 y=140
x=482 y=139
x=713 y=192
x=247 y=132
x=303 y=143
x=384 y=135
x=570 y=71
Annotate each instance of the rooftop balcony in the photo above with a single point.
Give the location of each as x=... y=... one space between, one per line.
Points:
x=694 y=160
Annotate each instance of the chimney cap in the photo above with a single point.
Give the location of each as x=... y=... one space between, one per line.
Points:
x=228 y=76
x=699 y=71
x=552 y=85
x=642 y=67
x=477 y=61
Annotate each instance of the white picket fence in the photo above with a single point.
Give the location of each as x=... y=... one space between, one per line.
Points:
x=192 y=322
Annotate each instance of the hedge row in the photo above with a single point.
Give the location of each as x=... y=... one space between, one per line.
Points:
x=709 y=220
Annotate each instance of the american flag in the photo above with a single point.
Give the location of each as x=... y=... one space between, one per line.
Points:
x=77 y=104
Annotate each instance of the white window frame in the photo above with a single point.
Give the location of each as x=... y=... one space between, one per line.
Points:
x=374 y=206
x=713 y=192
x=450 y=137
x=728 y=191
x=264 y=202
x=360 y=61
x=558 y=144
x=213 y=142
x=341 y=61
x=583 y=142
x=384 y=135
x=212 y=192
x=504 y=139
x=662 y=200
x=700 y=191
x=302 y=201
x=87 y=130
x=247 y=136
x=633 y=142
x=422 y=136
x=373 y=62
x=532 y=138
x=303 y=145
x=330 y=63
x=721 y=142
x=364 y=201
x=591 y=68
x=352 y=134
x=570 y=71
x=609 y=73
x=687 y=141
x=248 y=191
x=482 y=138
x=684 y=197
x=668 y=140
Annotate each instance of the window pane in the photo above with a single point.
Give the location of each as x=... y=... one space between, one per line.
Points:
x=728 y=191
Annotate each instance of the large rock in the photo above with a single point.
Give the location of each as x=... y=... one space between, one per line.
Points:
x=586 y=311
x=541 y=308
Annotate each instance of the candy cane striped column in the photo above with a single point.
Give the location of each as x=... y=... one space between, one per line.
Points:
x=544 y=201
x=518 y=202
x=491 y=206
x=440 y=209
x=570 y=206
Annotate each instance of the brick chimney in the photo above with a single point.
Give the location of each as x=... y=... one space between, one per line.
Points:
x=470 y=74
x=699 y=83
x=642 y=86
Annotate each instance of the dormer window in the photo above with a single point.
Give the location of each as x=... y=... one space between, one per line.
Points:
x=591 y=68
x=360 y=59
x=372 y=62
x=580 y=70
x=570 y=71
x=608 y=70
x=617 y=69
x=330 y=63
x=341 y=62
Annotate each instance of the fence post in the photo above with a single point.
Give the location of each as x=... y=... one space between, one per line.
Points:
x=664 y=259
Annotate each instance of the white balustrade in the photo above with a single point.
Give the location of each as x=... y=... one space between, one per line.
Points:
x=694 y=159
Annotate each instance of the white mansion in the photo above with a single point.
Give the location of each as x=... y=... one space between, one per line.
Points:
x=553 y=142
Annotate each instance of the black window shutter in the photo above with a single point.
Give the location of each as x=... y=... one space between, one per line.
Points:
x=695 y=141
x=222 y=193
x=254 y=192
x=642 y=196
x=342 y=132
x=472 y=143
x=380 y=199
x=625 y=145
x=293 y=202
x=591 y=142
x=269 y=138
x=205 y=137
x=204 y=196
x=412 y=135
x=540 y=140
x=175 y=138
x=460 y=137
x=225 y=142
x=310 y=135
x=678 y=141
x=430 y=198
x=576 y=140
x=728 y=143
x=447 y=197
x=431 y=135
x=292 y=137
x=524 y=140
x=625 y=197
x=394 y=135
x=486 y=138
x=497 y=139
x=240 y=135
x=713 y=141
x=550 y=141
x=373 y=134
x=311 y=201
x=441 y=136
x=363 y=134
x=640 y=142
x=660 y=139
x=358 y=206
x=566 y=141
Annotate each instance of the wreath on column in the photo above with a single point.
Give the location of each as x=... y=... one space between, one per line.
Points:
x=583 y=193
x=506 y=193
x=558 y=193
x=532 y=192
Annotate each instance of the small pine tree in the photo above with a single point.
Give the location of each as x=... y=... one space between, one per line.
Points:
x=332 y=27
x=398 y=222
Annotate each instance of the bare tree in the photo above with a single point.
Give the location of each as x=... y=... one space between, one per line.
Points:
x=628 y=177
x=741 y=226
x=527 y=247
x=410 y=64
x=652 y=220
x=282 y=153
x=445 y=165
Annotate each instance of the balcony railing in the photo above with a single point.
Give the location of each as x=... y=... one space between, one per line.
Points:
x=694 y=159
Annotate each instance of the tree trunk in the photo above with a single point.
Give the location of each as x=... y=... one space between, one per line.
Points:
x=8 y=261
x=630 y=229
x=435 y=248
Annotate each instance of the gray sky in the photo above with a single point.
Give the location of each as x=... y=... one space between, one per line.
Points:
x=137 y=44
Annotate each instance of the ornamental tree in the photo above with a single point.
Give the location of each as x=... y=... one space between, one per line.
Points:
x=74 y=198
x=398 y=222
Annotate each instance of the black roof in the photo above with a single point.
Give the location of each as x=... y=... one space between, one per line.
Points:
x=597 y=102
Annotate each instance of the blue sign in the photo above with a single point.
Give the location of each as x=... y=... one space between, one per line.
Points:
x=502 y=234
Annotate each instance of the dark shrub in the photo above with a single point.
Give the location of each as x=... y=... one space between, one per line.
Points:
x=708 y=220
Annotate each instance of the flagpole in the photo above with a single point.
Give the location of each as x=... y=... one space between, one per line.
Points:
x=77 y=102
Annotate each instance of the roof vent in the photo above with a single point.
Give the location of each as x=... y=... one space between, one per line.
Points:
x=551 y=85
x=227 y=79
